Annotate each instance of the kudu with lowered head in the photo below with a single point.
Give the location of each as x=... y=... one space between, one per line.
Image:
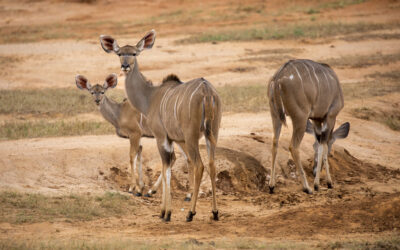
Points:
x=128 y=122
x=306 y=90
x=176 y=112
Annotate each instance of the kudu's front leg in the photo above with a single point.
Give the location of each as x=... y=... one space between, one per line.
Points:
x=168 y=159
x=136 y=173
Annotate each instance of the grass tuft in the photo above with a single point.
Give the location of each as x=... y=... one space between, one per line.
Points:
x=66 y=101
x=47 y=128
x=362 y=61
x=313 y=30
x=19 y=208
x=390 y=119
x=244 y=98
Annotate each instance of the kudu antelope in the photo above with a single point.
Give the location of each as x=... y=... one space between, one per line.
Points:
x=128 y=122
x=176 y=112
x=306 y=90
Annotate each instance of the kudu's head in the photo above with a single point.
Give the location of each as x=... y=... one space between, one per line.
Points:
x=97 y=91
x=128 y=53
x=340 y=133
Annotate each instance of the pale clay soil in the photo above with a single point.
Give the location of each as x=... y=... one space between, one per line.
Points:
x=365 y=166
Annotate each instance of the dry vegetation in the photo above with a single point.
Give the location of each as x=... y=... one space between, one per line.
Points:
x=362 y=61
x=306 y=30
x=19 y=208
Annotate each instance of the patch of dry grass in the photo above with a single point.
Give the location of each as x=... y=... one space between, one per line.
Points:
x=17 y=208
x=65 y=101
x=362 y=61
x=11 y=130
x=390 y=119
x=382 y=242
x=244 y=98
x=305 y=30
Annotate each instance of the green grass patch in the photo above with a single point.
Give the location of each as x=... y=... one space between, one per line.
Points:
x=244 y=98
x=48 y=128
x=313 y=30
x=19 y=208
x=66 y=101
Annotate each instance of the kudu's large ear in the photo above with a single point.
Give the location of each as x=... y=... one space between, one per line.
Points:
x=109 y=44
x=111 y=81
x=342 y=131
x=309 y=127
x=147 y=41
x=82 y=82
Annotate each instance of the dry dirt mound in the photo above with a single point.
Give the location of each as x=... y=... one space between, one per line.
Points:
x=241 y=173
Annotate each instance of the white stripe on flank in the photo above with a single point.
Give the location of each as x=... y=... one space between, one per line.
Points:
x=190 y=100
x=170 y=92
x=176 y=101
x=183 y=96
x=298 y=73
x=309 y=73
x=162 y=100
x=315 y=74
x=327 y=81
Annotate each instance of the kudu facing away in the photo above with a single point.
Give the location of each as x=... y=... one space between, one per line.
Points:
x=176 y=112
x=306 y=90
x=128 y=122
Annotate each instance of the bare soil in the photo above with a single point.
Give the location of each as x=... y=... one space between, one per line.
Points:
x=365 y=199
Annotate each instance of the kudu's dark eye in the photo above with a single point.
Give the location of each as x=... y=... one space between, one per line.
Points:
x=102 y=92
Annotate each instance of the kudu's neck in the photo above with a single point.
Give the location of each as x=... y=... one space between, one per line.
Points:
x=110 y=111
x=139 y=92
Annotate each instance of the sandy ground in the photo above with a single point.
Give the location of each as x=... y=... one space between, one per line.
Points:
x=365 y=166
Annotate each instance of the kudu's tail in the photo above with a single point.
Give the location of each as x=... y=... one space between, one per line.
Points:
x=209 y=114
x=276 y=100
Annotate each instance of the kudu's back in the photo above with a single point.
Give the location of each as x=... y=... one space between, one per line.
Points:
x=305 y=86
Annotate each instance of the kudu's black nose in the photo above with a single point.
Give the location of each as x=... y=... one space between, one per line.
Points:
x=125 y=65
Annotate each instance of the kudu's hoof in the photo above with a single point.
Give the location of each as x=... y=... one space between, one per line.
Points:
x=215 y=215
x=190 y=215
x=138 y=194
x=187 y=199
x=162 y=214
x=307 y=191
x=147 y=195
x=167 y=218
x=330 y=185
x=271 y=190
x=316 y=188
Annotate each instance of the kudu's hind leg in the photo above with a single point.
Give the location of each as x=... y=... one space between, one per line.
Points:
x=155 y=187
x=198 y=167
x=182 y=147
x=211 y=146
x=277 y=125
x=299 y=128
